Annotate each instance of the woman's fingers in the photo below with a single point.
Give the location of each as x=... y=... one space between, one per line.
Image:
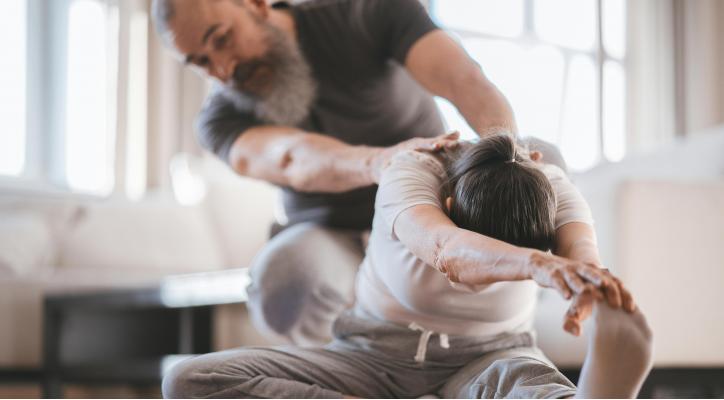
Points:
x=580 y=309
x=605 y=281
x=627 y=299
x=575 y=282
x=559 y=283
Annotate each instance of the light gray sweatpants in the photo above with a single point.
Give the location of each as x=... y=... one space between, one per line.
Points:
x=375 y=359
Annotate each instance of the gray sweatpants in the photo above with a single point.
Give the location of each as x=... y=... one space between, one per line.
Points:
x=302 y=280
x=375 y=359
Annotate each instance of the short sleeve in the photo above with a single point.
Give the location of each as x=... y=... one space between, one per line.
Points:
x=412 y=178
x=220 y=123
x=396 y=25
x=571 y=206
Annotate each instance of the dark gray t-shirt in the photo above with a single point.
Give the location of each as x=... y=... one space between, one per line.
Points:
x=356 y=49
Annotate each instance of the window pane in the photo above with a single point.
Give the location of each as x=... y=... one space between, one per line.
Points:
x=614 y=111
x=136 y=132
x=614 y=27
x=504 y=18
x=88 y=134
x=569 y=23
x=580 y=143
x=13 y=17
x=530 y=77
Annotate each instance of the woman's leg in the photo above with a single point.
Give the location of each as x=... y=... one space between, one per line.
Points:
x=620 y=350
x=278 y=372
x=618 y=360
x=522 y=372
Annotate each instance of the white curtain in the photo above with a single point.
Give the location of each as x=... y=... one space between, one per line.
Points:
x=674 y=70
x=171 y=97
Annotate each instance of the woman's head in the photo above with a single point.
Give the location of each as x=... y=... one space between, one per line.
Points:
x=496 y=190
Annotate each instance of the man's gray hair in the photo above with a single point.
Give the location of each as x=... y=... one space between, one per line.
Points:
x=162 y=12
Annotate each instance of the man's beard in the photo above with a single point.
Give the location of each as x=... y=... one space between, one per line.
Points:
x=290 y=90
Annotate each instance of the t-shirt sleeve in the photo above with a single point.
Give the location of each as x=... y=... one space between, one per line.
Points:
x=412 y=178
x=571 y=205
x=396 y=25
x=220 y=123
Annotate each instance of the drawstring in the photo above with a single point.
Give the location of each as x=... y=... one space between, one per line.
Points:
x=425 y=339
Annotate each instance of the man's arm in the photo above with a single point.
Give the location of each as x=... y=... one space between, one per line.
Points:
x=446 y=70
x=311 y=162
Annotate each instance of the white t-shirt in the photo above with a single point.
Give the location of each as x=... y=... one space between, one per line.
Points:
x=394 y=285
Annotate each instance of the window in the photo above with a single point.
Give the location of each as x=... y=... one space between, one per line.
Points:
x=562 y=74
x=89 y=128
x=58 y=96
x=13 y=95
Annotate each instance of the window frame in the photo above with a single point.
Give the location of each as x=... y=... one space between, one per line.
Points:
x=46 y=62
x=528 y=37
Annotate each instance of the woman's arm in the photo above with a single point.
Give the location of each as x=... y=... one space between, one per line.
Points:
x=474 y=259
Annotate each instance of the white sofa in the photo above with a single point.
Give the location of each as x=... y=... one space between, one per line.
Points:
x=57 y=244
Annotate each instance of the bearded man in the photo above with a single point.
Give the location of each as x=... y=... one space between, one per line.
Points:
x=316 y=98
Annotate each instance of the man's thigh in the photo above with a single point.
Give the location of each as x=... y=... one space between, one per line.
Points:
x=302 y=280
x=515 y=373
x=278 y=372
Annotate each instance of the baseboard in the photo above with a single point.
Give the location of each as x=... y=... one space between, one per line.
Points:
x=700 y=383
x=20 y=375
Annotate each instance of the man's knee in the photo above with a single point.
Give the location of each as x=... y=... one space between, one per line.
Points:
x=185 y=380
x=306 y=252
x=299 y=265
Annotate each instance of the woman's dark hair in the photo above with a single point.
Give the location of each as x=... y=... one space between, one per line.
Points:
x=501 y=194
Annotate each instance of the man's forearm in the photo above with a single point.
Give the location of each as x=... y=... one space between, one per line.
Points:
x=306 y=162
x=324 y=164
x=484 y=107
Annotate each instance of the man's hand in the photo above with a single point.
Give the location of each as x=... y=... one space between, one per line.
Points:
x=383 y=157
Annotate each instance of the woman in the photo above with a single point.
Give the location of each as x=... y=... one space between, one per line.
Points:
x=458 y=244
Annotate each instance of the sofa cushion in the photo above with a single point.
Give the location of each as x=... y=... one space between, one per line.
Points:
x=153 y=235
x=26 y=243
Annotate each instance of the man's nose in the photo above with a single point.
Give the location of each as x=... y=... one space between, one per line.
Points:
x=225 y=69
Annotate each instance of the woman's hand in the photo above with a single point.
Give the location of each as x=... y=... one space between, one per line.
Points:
x=571 y=278
x=582 y=305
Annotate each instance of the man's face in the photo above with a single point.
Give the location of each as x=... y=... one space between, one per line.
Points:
x=234 y=42
x=225 y=39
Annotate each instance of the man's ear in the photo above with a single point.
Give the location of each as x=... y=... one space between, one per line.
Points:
x=448 y=204
x=536 y=156
x=259 y=7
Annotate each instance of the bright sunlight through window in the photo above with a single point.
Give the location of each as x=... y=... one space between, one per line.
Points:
x=543 y=55
x=13 y=83
x=88 y=152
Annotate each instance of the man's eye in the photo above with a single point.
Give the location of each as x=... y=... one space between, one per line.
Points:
x=202 y=61
x=221 y=41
